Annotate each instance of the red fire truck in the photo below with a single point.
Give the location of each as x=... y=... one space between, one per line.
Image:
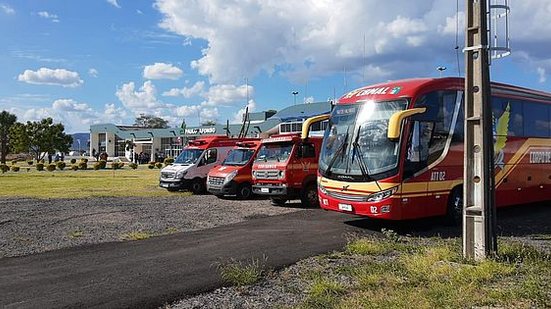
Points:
x=233 y=176
x=285 y=168
x=395 y=150
x=190 y=168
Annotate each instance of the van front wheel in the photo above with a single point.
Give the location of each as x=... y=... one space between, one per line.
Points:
x=198 y=186
x=244 y=191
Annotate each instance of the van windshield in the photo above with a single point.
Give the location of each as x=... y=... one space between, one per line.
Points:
x=238 y=157
x=278 y=152
x=189 y=156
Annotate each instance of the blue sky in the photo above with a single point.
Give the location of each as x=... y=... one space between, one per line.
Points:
x=86 y=62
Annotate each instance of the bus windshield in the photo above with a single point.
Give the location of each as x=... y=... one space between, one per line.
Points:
x=355 y=144
x=238 y=157
x=278 y=152
x=189 y=156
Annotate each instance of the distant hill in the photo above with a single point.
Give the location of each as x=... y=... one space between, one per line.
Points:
x=84 y=141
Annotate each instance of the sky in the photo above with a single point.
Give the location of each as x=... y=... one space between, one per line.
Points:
x=108 y=61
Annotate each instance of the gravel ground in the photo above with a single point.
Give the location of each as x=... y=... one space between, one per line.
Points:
x=30 y=226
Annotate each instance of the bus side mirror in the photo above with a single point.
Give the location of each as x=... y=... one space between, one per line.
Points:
x=395 y=121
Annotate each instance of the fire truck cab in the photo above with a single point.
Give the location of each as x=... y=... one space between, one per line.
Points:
x=285 y=168
x=233 y=176
x=190 y=168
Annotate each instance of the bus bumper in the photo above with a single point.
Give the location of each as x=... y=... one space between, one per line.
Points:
x=387 y=209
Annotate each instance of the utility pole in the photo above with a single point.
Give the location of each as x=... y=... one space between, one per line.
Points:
x=479 y=240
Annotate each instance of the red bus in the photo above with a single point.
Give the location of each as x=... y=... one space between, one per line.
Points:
x=395 y=150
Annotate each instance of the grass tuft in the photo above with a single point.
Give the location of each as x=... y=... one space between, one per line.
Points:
x=136 y=235
x=239 y=273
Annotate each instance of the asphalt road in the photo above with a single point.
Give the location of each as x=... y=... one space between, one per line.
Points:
x=152 y=272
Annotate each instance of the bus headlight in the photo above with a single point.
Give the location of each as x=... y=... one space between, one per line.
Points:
x=379 y=196
x=322 y=189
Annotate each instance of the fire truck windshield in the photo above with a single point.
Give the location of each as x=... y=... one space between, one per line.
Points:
x=367 y=125
x=238 y=157
x=189 y=156
x=278 y=152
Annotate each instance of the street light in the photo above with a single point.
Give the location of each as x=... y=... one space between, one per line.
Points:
x=441 y=69
x=78 y=141
x=294 y=93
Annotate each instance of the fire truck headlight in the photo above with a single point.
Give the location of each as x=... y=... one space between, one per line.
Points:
x=379 y=196
x=254 y=174
x=230 y=176
x=281 y=174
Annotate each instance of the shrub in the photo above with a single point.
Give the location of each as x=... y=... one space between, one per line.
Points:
x=30 y=162
x=151 y=166
x=61 y=165
x=4 y=168
x=15 y=168
x=13 y=162
x=41 y=161
x=40 y=166
x=83 y=165
x=102 y=164
x=74 y=167
x=73 y=161
x=159 y=165
x=96 y=166
x=133 y=166
x=168 y=161
x=50 y=167
x=83 y=160
x=117 y=165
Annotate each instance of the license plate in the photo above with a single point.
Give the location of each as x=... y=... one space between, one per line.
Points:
x=345 y=207
x=265 y=190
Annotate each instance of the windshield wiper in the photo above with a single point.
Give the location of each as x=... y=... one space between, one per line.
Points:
x=340 y=151
x=361 y=163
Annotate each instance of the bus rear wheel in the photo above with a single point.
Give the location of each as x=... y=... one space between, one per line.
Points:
x=278 y=201
x=454 y=214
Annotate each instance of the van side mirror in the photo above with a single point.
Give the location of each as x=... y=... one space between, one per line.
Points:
x=395 y=121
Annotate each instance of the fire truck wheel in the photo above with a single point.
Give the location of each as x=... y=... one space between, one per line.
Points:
x=197 y=186
x=244 y=191
x=309 y=196
x=278 y=201
x=454 y=214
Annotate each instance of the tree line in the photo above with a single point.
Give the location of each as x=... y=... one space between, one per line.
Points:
x=35 y=137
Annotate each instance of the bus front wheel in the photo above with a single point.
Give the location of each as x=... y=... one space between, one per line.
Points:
x=454 y=214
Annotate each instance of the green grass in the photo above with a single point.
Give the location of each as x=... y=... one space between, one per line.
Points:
x=239 y=273
x=430 y=273
x=81 y=184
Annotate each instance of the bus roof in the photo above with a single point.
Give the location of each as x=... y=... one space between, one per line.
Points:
x=407 y=88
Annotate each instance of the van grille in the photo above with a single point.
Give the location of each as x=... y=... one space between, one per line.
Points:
x=167 y=175
x=216 y=181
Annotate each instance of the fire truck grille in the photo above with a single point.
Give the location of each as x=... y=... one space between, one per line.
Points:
x=167 y=175
x=266 y=174
x=347 y=197
x=216 y=181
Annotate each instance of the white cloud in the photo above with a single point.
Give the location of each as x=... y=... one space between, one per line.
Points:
x=238 y=117
x=69 y=105
x=93 y=72
x=7 y=9
x=53 y=17
x=542 y=75
x=227 y=94
x=114 y=3
x=139 y=101
x=319 y=38
x=46 y=76
x=161 y=70
x=186 y=92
